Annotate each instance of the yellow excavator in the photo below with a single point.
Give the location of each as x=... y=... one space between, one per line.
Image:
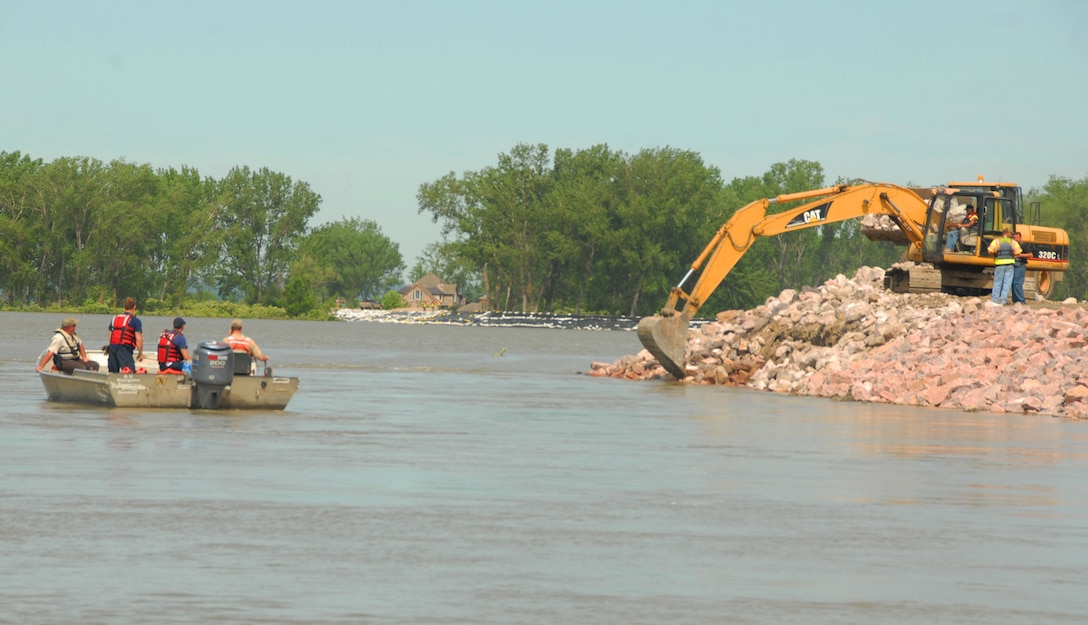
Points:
x=919 y=218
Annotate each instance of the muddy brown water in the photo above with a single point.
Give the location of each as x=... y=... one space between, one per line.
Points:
x=418 y=477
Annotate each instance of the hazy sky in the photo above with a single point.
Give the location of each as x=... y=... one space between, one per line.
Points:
x=365 y=101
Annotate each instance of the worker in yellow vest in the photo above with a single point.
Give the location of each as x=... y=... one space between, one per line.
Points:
x=1004 y=250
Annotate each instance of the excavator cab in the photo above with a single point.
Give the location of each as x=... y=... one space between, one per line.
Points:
x=996 y=206
x=944 y=228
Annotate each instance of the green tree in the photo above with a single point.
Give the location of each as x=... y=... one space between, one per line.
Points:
x=1065 y=205
x=67 y=203
x=494 y=216
x=519 y=223
x=186 y=251
x=356 y=258
x=260 y=217
x=391 y=300
x=298 y=297
x=668 y=204
x=18 y=245
x=125 y=234
x=581 y=207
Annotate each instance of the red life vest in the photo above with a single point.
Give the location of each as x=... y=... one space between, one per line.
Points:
x=168 y=351
x=121 y=332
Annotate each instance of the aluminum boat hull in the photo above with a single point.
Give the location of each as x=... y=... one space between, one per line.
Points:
x=156 y=390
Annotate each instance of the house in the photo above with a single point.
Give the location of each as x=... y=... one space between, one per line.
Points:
x=479 y=306
x=431 y=292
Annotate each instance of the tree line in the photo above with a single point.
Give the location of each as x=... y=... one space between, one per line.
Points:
x=78 y=231
x=591 y=231
x=605 y=232
x=601 y=231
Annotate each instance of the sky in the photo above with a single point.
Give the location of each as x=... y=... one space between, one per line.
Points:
x=367 y=100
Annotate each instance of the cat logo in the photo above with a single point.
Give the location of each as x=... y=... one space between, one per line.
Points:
x=811 y=216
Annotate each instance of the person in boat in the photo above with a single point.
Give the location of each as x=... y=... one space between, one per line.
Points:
x=242 y=344
x=66 y=350
x=173 y=349
x=126 y=337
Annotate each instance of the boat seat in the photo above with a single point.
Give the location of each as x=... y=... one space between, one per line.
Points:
x=243 y=361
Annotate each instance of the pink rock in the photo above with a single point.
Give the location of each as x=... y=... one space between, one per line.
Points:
x=1076 y=394
x=936 y=395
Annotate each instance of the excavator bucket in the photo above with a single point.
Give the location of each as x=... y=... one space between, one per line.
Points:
x=667 y=340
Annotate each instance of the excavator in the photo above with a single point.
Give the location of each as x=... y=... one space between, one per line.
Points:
x=919 y=218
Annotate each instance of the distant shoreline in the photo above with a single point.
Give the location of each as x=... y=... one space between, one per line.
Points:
x=497 y=319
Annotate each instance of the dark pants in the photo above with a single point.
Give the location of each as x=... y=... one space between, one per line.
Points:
x=121 y=357
x=68 y=365
x=1019 y=272
x=175 y=366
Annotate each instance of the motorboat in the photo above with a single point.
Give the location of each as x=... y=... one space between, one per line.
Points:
x=218 y=380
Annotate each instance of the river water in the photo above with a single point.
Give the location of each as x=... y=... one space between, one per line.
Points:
x=444 y=474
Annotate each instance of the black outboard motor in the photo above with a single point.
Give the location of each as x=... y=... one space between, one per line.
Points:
x=213 y=371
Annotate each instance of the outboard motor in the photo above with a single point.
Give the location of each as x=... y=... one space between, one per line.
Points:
x=213 y=371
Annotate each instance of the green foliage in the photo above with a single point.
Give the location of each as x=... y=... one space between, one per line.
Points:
x=596 y=229
x=260 y=216
x=212 y=309
x=571 y=230
x=188 y=252
x=599 y=230
x=78 y=229
x=391 y=300
x=351 y=257
x=1065 y=205
x=299 y=299
x=91 y=307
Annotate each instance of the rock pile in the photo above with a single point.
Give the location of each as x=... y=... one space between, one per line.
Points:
x=851 y=339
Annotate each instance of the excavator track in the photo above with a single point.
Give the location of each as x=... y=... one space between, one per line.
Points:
x=913 y=279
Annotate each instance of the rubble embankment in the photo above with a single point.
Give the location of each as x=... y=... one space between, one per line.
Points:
x=851 y=339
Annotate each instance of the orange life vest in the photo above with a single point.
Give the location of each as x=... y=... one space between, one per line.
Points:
x=243 y=344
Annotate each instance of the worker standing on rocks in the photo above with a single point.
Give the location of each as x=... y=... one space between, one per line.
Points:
x=1005 y=250
x=1020 y=272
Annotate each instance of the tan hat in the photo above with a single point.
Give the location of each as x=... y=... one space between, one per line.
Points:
x=69 y=322
x=236 y=324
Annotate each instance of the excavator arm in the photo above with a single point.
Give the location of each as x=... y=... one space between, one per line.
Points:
x=665 y=335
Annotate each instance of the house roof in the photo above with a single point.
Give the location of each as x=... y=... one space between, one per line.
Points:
x=433 y=285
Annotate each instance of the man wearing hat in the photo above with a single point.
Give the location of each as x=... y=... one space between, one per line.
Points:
x=1005 y=250
x=173 y=350
x=66 y=350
